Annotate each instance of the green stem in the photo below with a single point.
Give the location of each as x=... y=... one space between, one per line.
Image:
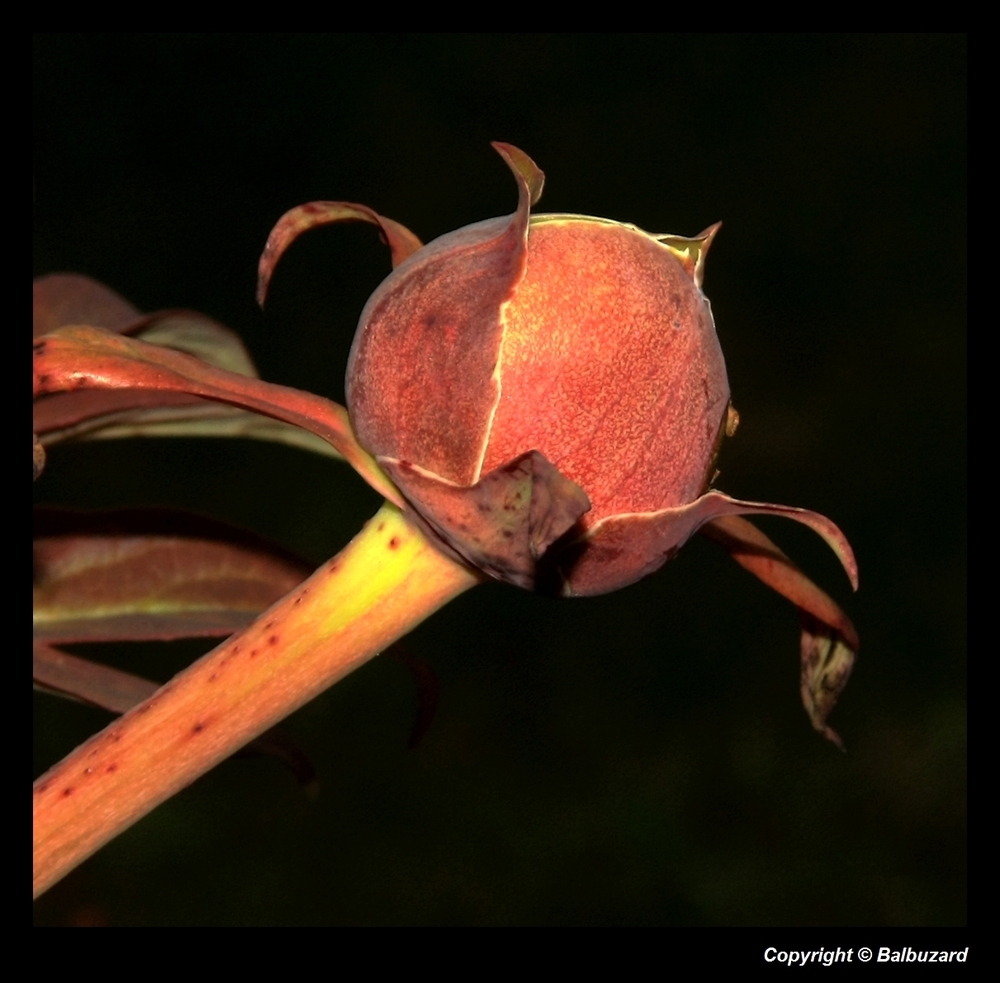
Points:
x=383 y=584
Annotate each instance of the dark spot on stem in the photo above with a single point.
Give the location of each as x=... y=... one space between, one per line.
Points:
x=213 y=677
x=198 y=728
x=273 y=640
x=111 y=768
x=68 y=791
x=394 y=543
x=253 y=653
x=381 y=526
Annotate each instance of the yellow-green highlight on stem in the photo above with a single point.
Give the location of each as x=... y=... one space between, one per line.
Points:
x=382 y=585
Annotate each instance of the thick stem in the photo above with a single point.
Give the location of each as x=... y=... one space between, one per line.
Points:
x=383 y=584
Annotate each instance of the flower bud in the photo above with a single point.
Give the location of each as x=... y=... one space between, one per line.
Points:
x=549 y=394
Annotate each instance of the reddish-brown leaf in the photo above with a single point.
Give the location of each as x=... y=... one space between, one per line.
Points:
x=59 y=299
x=82 y=358
x=428 y=689
x=89 y=682
x=62 y=416
x=829 y=640
x=151 y=575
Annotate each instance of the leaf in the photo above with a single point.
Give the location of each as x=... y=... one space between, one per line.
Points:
x=198 y=335
x=59 y=299
x=401 y=241
x=199 y=419
x=84 y=358
x=428 y=690
x=153 y=574
x=829 y=640
x=89 y=682
x=64 y=299
x=388 y=580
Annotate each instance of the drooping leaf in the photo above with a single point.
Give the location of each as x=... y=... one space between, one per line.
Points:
x=428 y=689
x=65 y=299
x=829 y=640
x=401 y=241
x=82 y=358
x=388 y=580
x=153 y=574
x=86 y=681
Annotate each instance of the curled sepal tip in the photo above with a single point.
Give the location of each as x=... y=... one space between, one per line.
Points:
x=400 y=240
x=691 y=252
x=524 y=168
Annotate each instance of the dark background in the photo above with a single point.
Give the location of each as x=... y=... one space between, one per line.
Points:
x=636 y=758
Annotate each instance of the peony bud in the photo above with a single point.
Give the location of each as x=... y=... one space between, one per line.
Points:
x=549 y=394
